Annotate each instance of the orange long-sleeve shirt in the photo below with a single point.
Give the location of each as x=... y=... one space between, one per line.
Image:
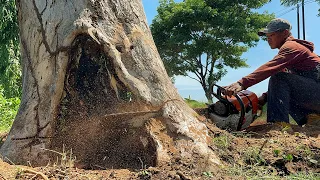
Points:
x=294 y=55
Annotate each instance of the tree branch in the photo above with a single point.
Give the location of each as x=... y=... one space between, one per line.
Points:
x=194 y=78
x=207 y=65
x=196 y=72
x=200 y=65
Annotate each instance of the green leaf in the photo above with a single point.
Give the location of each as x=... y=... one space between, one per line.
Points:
x=203 y=37
x=10 y=68
x=276 y=152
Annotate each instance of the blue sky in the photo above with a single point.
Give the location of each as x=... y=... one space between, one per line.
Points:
x=255 y=56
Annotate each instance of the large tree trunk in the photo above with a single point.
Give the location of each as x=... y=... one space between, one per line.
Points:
x=93 y=82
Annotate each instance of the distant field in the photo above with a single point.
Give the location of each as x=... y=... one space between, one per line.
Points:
x=195 y=104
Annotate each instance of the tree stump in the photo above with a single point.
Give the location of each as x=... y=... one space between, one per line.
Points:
x=93 y=82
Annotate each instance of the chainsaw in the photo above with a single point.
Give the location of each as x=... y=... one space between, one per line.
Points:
x=233 y=113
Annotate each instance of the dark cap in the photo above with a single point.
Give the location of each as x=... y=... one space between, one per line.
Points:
x=275 y=25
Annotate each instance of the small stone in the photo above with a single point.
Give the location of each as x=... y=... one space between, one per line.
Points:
x=182 y=176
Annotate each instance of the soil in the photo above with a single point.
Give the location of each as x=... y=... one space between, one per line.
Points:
x=281 y=149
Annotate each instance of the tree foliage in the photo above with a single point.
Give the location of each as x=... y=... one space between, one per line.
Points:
x=295 y=2
x=204 y=36
x=8 y=110
x=10 y=70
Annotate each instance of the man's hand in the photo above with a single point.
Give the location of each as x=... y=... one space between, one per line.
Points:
x=233 y=89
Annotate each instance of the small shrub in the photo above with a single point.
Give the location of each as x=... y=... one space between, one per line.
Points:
x=287 y=157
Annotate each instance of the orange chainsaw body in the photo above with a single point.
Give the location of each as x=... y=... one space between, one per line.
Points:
x=236 y=112
x=248 y=98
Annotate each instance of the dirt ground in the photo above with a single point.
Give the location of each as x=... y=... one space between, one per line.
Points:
x=277 y=149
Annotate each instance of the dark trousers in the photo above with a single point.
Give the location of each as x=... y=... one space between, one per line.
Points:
x=292 y=94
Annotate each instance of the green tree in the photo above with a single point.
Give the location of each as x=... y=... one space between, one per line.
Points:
x=10 y=69
x=295 y=2
x=202 y=37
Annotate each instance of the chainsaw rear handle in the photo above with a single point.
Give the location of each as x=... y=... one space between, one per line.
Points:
x=219 y=96
x=242 y=112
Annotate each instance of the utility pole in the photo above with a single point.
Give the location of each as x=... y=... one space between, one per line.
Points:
x=303 y=22
x=298 y=19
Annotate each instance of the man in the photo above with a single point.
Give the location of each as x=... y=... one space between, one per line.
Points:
x=294 y=85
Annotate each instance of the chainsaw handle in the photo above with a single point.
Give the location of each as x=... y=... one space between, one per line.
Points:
x=219 y=92
x=242 y=112
x=220 y=98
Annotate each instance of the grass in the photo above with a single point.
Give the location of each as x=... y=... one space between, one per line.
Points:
x=255 y=172
x=8 y=111
x=66 y=160
x=61 y=169
x=222 y=142
x=252 y=164
x=195 y=104
x=255 y=167
x=253 y=156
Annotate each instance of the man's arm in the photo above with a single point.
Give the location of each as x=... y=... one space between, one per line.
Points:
x=287 y=56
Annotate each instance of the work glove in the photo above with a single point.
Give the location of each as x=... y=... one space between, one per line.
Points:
x=232 y=89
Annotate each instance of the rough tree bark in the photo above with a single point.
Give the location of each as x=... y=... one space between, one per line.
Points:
x=93 y=82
